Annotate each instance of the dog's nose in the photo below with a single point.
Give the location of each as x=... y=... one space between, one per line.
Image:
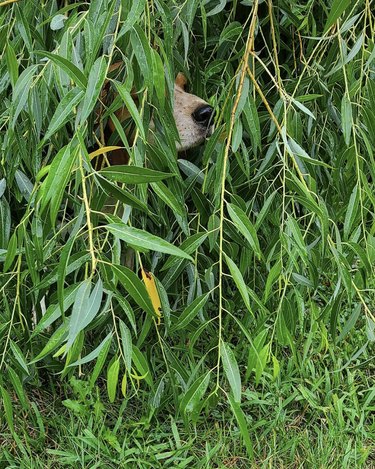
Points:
x=204 y=115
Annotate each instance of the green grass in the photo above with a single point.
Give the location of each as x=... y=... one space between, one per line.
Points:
x=325 y=429
x=261 y=241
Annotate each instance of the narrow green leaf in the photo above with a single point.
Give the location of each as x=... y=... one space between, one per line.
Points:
x=3 y=185
x=74 y=72
x=142 y=366
x=24 y=184
x=57 y=179
x=231 y=32
x=346 y=118
x=254 y=351
x=302 y=107
x=265 y=209
x=55 y=340
x=237 y=135
x=125 y=306
x=134 y=14
x=54 y=310
x=17 y=386
x=370 y=329
x=190 y=169
x=250 y=114
x=142 y=50
x=231 y=370
x=11 y=251
x=134 y=287
x=167 y=196
x=190 y=312
x=63 y=111
x=295 y=149
x=297 y=235
x=127 y=346
x=243 y=98
x=94 y=86
x=246 y=228
x=189 y=245
x=362 y=255
x=217 y=8
x=351 y=212
x=194 y=394
x=158 y=78
x=346 y=59
x=102 y=356
x=58 y=22
x=8 y=408
x=239 y=281
x=156 y=398
x=335 y=11
x=112 y=378
x=19 y=356
x=95 y=353
x=271 y=279
x=131 y=107
x=121 y=194
x=133 y=174
x=12 y=64
x=86 y=307
x=143 y=240
x=21 y=92
x=64 y=260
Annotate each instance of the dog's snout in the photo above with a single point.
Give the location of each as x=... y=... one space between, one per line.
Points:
x=204 y=115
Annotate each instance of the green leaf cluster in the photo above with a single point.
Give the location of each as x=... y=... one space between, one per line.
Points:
x=261 y=241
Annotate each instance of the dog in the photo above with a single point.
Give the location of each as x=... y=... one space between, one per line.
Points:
x=193 y=118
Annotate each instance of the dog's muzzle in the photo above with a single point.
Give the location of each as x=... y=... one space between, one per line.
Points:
x=204 y=116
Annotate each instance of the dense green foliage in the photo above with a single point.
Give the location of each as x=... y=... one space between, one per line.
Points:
x=262 y=241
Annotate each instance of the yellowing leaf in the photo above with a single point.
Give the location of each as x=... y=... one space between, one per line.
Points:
x=138 y=377
x=60 y=352
x=152 y=291
x=123 y=385
x=102 y=150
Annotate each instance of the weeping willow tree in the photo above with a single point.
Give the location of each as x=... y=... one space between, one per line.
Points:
x=257 y=249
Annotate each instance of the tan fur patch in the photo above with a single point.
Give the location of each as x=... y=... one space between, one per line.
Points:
x=191 y=133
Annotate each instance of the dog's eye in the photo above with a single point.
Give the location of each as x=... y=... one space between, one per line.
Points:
x=204 y=115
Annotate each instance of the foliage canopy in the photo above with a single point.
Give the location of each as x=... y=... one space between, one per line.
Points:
x=261 y=242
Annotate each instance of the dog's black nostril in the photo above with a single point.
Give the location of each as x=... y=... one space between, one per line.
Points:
x=204 y=115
